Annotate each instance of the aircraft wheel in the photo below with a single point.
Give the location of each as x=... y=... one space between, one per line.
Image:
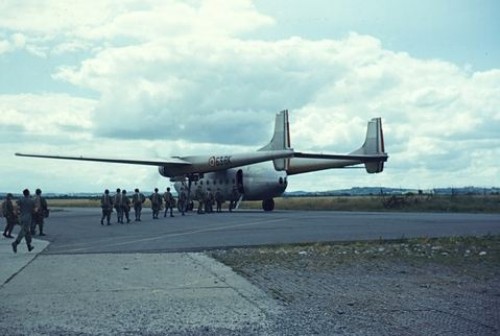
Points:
x=268 y=204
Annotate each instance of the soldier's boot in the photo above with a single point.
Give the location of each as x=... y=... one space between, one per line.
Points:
x=14 y=246
x=30 y=248
x=41 y=231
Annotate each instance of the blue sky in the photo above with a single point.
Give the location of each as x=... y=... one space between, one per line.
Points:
x=152 y=79
x=463 y=32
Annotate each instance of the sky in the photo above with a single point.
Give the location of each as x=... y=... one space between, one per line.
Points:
x=150 y=79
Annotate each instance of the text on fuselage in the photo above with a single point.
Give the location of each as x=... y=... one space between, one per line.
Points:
x=218 y=161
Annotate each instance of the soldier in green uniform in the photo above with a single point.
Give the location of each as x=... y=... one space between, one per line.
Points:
x=125 y=206
x=182 y=201
x=41 y=210
x=117 y=202
x=209 y=201
x=169 y=203
x=219 y=199
x=26 y=207
x=10 y=216
x=155 y=203
x=137 y=200
x=200 y=197
x=107 y=207
x=235 y=195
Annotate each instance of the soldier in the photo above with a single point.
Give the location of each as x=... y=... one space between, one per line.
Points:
x=182 y=201
x=209 y=201
x=235 y=195
x=169 y=202
x=138 y=199
x=107 y=207
x=10 y=216
x=41 y=210
x=200 y=197
x=219 y=199
x=155 y=203
x=125 y=206
x=26 y=206
x=117 y=202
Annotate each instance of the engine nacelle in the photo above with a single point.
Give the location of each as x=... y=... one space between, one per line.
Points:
x=163 y=171
x=262 y=181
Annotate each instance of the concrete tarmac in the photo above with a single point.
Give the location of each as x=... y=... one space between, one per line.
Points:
x=12 y=263
x=88 y=279
x=125 y=294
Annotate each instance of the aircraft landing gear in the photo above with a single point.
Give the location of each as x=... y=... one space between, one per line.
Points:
x=268 y=204
x=189 y=202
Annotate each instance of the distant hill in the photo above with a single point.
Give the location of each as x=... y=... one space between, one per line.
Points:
x=367 y=191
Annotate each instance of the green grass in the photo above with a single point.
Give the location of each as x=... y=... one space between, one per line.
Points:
x=471 y=204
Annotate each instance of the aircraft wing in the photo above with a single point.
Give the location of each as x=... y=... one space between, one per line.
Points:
x=178 y=166
x=170 y=161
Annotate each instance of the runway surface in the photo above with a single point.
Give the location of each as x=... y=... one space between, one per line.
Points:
x=146 y=278
x=78 y=230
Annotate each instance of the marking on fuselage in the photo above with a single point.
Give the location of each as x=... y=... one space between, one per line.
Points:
x=218 y=161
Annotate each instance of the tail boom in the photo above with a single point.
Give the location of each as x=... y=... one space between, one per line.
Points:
x=371 y=154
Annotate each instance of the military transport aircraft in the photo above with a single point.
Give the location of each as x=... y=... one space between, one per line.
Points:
x=260 y=175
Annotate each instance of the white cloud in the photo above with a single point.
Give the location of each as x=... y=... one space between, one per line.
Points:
x=45 y=117
x=4 y=46
x=141 y=20
x=187 y=77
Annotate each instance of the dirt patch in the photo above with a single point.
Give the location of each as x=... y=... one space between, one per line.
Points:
x=411 y=287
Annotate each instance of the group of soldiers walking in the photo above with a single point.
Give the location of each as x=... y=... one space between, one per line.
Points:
x=206 y=200
x=168 y=199
x=122 y=203
x=29 y=213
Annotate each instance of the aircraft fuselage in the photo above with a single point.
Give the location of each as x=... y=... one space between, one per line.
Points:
x=254 y=182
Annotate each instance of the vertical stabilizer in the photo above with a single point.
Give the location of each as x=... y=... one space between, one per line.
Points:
x=280 y=139
x=373 y=145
